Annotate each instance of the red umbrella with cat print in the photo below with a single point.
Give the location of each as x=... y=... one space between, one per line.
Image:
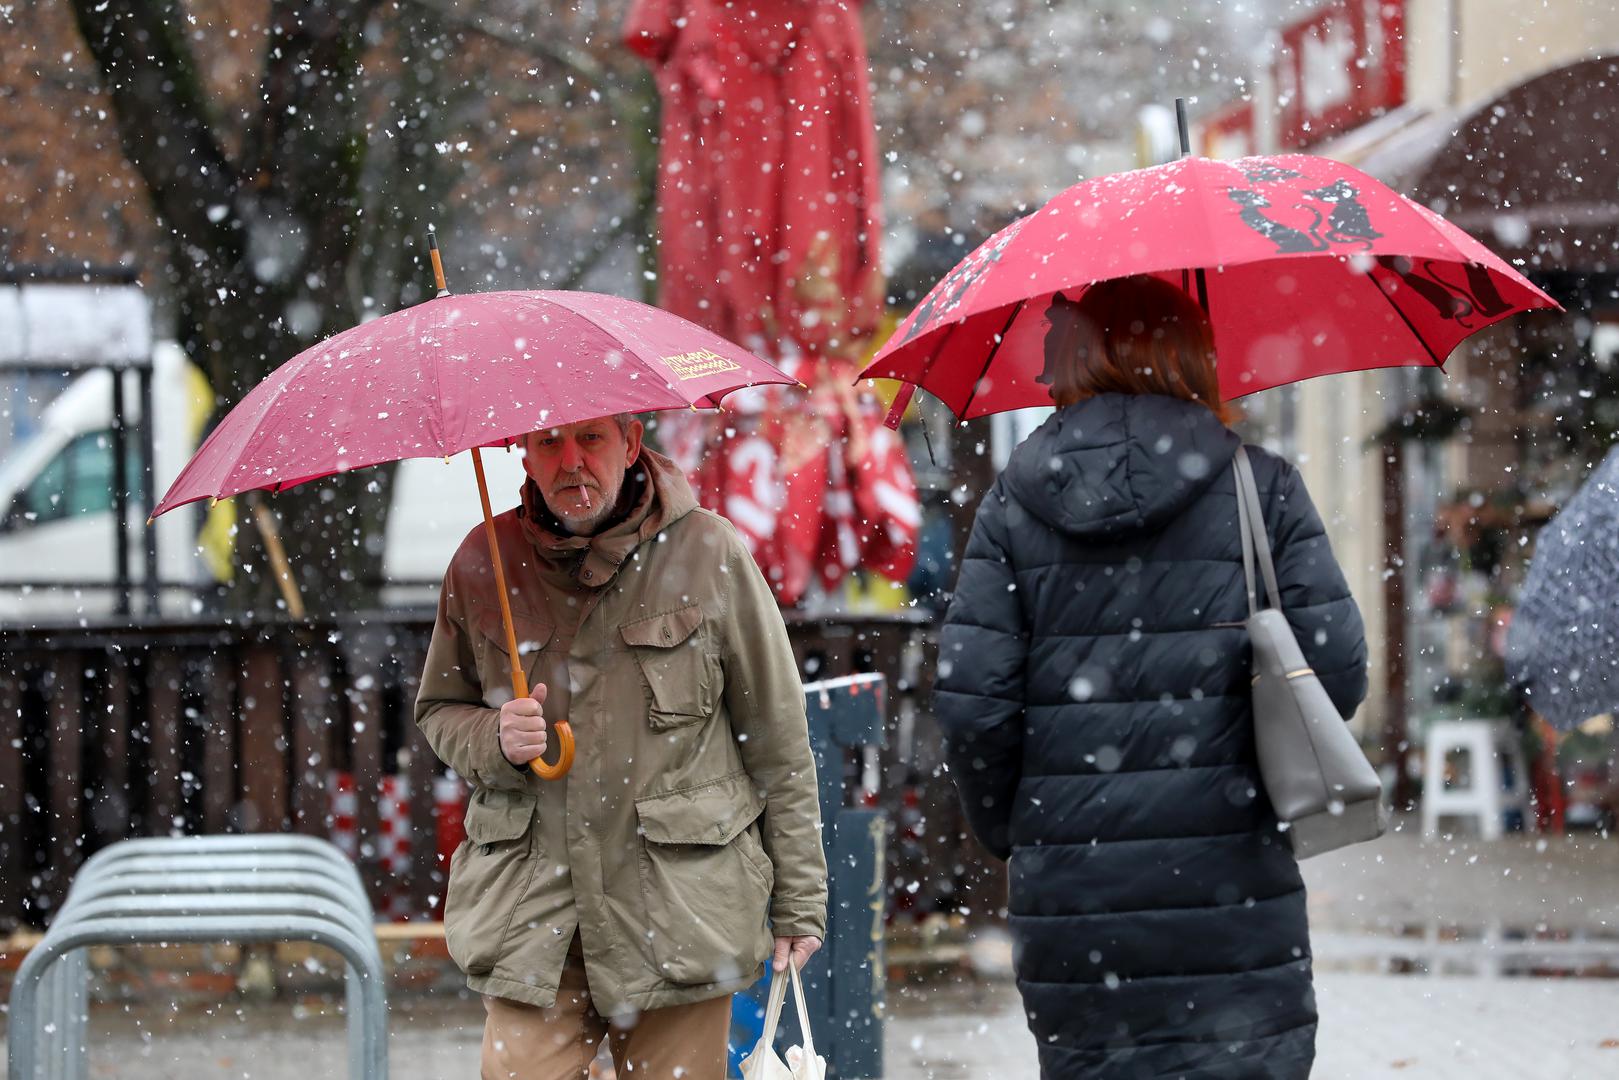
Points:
x=1306 y=266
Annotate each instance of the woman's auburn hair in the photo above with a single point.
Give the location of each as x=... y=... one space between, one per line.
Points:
x=1132 y=335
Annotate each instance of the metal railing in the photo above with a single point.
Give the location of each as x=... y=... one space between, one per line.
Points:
x=245 y=888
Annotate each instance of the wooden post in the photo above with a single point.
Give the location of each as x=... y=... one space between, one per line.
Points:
x=314 y=715
x=218 y=732
x=366 y=654
x=163 y=678
x=428 y=877
x=111 y=811
x=264 y=740
x=13 y=858
x=64 y=690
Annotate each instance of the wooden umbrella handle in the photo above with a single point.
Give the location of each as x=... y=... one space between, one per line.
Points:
x=564 y=733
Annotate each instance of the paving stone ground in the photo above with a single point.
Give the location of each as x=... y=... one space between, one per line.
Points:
x=1408 y=1027
x=1373 y=1024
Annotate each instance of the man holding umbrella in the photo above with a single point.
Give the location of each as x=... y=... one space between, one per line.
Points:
x=628 y=900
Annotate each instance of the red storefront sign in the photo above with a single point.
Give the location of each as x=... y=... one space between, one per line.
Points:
x=1338 y=68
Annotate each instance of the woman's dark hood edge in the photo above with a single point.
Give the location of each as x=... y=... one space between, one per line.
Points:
x=1118 y=464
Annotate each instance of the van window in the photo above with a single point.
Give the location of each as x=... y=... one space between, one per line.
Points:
x=77 y=481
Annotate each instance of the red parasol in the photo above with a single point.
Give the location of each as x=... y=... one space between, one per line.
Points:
x=768 y=223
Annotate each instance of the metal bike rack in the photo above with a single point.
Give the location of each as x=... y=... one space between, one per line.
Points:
x=248 y=889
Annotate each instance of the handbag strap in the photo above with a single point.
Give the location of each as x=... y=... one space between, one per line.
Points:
x=1255 y=540
x=773 y=1004
x=803 y=1012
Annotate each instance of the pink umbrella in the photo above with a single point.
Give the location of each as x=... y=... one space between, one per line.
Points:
x=458 y=373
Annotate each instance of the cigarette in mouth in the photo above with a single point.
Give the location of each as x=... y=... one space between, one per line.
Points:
x=584 y=493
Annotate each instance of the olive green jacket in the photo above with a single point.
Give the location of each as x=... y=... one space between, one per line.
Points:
x=688 y=832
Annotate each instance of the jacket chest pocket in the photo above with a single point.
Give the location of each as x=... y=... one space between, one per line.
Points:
x=677 y=664
x=494 y=660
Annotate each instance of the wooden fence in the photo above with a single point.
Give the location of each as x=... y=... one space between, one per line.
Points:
x=209 y=727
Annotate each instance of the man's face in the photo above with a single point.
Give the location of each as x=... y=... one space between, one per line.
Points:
x=580 y=469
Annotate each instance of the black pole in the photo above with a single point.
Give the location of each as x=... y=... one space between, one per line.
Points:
x=1186 y=151
x=120 y=492
x=148 y=489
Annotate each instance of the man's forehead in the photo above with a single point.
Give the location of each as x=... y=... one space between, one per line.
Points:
x=603 y=423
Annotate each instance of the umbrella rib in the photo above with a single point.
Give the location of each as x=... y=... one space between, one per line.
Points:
x=259 y=422
x=615 y=337
x=933 y=357
x=434 y=415
x=1017 y=309
x=1378 y=285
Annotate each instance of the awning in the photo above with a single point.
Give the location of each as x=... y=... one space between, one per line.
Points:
x=1529 y=172
x=1401 y=152
x=1534 y=173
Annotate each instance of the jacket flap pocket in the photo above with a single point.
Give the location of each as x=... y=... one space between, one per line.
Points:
x=493 y=816
x=663 y=631
x=532 y=634
x=711 y=814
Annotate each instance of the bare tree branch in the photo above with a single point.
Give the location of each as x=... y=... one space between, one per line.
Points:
x=561 y=54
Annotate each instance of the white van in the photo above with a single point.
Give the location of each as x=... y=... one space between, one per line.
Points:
x=58 y=544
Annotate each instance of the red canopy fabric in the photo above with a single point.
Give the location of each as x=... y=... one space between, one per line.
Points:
x=768 y=200
x=768 y=214
x=1311 y=268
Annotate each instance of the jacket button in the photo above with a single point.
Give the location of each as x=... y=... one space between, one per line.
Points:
x=667 y=634
x=588 y=575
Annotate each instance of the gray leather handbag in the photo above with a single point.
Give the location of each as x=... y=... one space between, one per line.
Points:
x=1316 y=774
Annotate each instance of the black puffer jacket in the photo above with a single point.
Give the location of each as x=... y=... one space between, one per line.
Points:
x=1093 y=688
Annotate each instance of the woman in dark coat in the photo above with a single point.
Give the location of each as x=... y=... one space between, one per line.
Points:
x=1094 y=692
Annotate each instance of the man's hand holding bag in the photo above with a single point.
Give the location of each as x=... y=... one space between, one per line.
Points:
x=802 y=1063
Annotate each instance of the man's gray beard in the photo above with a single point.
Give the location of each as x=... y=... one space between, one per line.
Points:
x=587 y=525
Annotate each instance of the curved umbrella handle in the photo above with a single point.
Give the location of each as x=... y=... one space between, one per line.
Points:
x=545 y=771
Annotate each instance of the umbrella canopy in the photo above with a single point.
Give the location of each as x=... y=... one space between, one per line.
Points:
x=460 y=372
x=1309 y=268
x=1563 y=647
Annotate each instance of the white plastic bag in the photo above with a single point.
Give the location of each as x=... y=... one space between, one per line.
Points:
x=802 y=1063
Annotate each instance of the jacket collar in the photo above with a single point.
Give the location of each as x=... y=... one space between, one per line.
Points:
x=655 y=496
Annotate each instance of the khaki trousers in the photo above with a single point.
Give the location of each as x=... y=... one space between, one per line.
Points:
x=522 y=1042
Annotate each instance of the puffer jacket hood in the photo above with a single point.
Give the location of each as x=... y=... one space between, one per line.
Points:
x=1119 y=463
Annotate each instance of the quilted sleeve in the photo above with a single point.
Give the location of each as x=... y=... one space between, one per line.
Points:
x=978 y=695
x=1319 y=606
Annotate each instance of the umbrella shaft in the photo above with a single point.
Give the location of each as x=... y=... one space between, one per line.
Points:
x=519 y=680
